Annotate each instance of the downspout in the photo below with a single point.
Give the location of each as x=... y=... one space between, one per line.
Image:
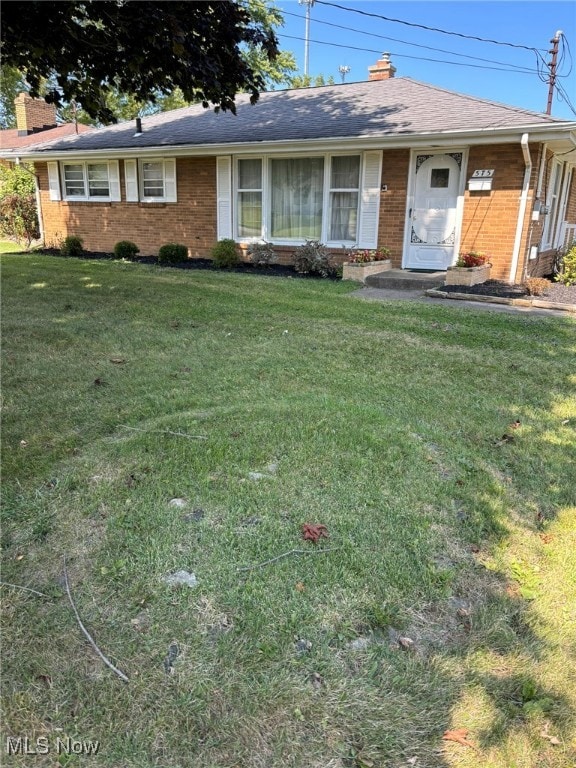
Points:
x=522 y=208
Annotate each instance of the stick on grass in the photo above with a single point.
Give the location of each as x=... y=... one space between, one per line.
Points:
x=165 y=432
x=286 y=554
x=19 y=586
x=85 y=632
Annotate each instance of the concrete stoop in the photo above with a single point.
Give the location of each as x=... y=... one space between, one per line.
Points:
x=405 y=279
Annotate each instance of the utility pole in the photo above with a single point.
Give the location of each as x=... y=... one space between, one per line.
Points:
x=344 y=69
x=308 y=4
x=552 y=66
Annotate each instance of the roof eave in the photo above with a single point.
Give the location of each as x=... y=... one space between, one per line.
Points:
x=543 y=133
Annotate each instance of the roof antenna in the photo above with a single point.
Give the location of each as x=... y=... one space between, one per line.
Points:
x=343 y=69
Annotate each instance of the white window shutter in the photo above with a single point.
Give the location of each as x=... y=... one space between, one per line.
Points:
x=131 y=180
x=114 y=181
x=170 y=180
x=370 y=200
x=54 y=181
x=224 y=197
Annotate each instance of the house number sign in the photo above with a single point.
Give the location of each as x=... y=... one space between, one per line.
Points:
x=486 y=174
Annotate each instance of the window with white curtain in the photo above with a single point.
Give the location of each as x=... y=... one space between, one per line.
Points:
x=344 y=193
x=250 y=198
x=284 y=199
x=297 y=187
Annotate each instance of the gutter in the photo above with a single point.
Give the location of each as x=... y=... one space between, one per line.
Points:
x=523 y=204
x=560 y=132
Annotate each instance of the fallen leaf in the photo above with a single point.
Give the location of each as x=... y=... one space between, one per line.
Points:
x=459 y=736
x=23 y=443
x=117 y=360
x=300 y=587
x=314 y=531
x=405 y=642
x=565 y=421
x=514 y=425
x=546 y=538
x=19 y=557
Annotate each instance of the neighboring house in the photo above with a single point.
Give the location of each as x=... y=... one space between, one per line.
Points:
x=387 y=162
x=35 y=125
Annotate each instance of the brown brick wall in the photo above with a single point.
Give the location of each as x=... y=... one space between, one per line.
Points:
x=489 y=220
x=395 y=163
x=191 y=221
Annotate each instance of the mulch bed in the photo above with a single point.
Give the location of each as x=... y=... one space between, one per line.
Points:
x=274 y=270
x=558 y=293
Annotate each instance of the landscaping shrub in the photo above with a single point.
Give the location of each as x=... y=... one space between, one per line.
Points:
x=18 y=218
x=567 y=274
x=262 y=254
x=72 y=247
x=312 y=259
x=126 y=249
x=537 y=286
x=225 y=254
x=172 y=253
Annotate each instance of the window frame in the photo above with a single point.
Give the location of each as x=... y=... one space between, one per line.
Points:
x=86 y=196
x=169 y=180
x=267 y=196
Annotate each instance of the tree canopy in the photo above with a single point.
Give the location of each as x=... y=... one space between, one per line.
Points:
x=146 y=50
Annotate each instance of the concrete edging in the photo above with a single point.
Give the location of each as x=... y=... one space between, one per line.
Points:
x=436 y=293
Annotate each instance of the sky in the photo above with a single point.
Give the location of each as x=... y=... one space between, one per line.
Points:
x=529 y=23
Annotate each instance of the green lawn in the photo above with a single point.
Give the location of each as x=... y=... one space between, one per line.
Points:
x=446 y=599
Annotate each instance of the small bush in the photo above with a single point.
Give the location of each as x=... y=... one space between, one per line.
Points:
x=126 y=249
x=172 y=253
x=225 y=254
x=262 y=254
x=312 y=259
x=72 y=247
x=537 y=286
x=567 y=274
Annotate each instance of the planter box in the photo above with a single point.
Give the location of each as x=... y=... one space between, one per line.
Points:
x=467 y=275
x=360 y=272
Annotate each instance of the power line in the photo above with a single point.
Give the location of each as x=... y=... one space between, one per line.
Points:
x=429 y=29
x=404 y=42
x=519 y=71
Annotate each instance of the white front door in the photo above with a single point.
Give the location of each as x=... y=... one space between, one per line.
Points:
x=433 y=220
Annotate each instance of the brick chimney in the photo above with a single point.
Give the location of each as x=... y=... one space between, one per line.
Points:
x=33 y=115
x=383 y=69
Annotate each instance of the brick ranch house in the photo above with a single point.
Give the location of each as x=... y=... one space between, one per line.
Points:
x=388 y=162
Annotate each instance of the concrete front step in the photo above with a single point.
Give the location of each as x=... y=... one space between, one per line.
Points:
x=404 y=279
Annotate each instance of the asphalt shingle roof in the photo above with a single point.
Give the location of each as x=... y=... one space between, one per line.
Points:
x=381 y=108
